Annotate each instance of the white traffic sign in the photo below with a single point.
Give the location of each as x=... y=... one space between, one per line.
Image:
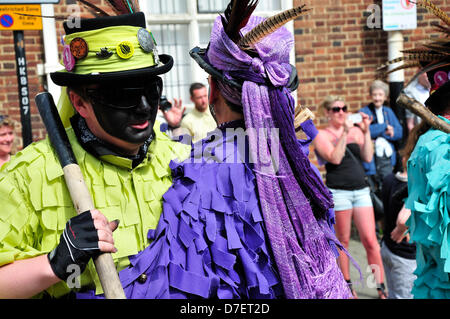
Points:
x=399 y=15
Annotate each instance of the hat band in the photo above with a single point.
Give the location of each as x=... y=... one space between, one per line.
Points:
x=110 y=40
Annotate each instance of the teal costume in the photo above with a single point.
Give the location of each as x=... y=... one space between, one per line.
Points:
x=429 y=201
x=36 y=204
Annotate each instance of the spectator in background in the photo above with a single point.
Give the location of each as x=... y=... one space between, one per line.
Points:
x=199 y=121
x=7 y=137
x=170 y=116
x=340 y=144
x=384 y=130
x=399 y=256
x=420 y=91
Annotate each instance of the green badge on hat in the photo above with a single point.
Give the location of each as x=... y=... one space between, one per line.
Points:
x=125 y=49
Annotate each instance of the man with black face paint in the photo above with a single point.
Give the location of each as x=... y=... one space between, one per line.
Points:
x=109 y=101
x=121 y=116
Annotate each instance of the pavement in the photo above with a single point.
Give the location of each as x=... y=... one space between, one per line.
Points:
x=367 y=288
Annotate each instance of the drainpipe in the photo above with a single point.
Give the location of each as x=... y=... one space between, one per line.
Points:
x=396 y=80
x=50 y=49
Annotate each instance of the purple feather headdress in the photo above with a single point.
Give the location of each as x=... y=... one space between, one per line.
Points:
x=251 y=65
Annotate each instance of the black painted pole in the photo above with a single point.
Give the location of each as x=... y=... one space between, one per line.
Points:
x=22 y=79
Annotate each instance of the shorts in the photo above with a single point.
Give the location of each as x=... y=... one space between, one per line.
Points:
x=345 y=200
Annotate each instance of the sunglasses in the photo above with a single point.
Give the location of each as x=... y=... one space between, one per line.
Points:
x=119 y=97
x=4 y=119
x=337 y=109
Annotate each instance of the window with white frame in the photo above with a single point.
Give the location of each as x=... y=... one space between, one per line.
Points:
x=180 y=25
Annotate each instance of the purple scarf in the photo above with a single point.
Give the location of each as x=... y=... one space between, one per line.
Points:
x=290 y=190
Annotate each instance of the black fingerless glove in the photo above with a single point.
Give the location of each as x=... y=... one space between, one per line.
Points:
x=77 y=245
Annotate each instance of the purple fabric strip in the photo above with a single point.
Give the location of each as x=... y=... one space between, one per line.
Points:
x=188 y=281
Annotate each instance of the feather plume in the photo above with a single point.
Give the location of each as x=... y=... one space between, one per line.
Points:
x=423 y=56
x=236 y=17
x=404 y=66
x=124 y=6
x=419 y=50
x=427 y=4
x=433 y=66
x=270 y=25
x=96 y=11
x=438 y=48
x=443 y=29
x=429 y=49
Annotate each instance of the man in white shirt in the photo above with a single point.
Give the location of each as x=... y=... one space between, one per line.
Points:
x=199 y=121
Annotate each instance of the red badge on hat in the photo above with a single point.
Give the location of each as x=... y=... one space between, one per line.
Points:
x=79 y=48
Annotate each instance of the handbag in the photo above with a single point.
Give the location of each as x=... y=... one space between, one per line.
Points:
x=377 y=203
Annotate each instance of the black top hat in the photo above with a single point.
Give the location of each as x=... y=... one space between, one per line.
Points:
x=110 y=48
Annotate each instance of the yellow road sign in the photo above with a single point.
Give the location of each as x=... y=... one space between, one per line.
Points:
x=15 y=17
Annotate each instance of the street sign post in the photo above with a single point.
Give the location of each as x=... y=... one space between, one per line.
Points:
x=10 y=19
x=398 y=15
x=22 y=79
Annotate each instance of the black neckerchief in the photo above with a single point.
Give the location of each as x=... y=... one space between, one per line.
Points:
x=98 y=148
x=232 y=124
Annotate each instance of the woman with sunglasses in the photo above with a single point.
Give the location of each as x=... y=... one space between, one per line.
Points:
x=6 y=139
x=339 y=144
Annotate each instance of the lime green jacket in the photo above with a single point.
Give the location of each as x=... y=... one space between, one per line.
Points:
x=36 y=203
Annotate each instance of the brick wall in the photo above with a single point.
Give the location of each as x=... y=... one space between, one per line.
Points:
x=336 y=54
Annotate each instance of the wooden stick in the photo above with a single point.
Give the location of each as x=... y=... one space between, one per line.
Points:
x=81 y=197
x=420 y=110
x=302 y=114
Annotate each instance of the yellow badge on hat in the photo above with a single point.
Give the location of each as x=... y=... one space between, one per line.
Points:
x=125 y=49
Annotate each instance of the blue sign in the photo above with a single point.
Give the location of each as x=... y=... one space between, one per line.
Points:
x=6 y=20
